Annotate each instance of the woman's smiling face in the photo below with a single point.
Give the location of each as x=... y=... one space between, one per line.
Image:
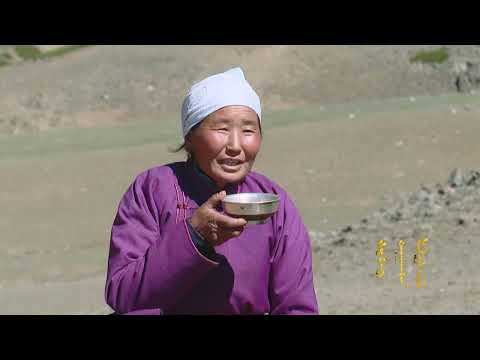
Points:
x=226 y=144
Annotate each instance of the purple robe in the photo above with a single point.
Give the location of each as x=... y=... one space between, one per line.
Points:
x=155 y=268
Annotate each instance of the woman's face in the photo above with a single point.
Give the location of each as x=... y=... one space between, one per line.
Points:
x=226 y=144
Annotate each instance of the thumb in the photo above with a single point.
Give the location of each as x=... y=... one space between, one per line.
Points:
x=216 y=198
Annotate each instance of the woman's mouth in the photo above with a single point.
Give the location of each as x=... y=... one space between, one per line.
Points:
x=231 y=162
x=231 y=165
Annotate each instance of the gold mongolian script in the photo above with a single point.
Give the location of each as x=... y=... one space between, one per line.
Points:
x=381 y=259
x=419 y=259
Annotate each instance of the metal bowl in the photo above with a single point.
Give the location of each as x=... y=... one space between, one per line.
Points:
x=256 y=208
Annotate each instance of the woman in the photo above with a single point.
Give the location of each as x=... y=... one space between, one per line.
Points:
x=173 y=251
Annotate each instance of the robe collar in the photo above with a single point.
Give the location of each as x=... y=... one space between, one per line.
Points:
x=203 y=183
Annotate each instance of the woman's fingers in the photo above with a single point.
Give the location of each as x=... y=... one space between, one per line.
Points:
x=215 y=199
x=216 y=227
x=228 y=223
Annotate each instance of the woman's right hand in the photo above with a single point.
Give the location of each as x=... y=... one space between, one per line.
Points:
x=214 y=227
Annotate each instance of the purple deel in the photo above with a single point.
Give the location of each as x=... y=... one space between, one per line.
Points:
x=155 y=268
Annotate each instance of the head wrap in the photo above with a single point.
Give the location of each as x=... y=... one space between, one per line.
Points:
x=216 y=92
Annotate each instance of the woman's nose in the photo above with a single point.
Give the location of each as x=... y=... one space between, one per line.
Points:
x=233 y=144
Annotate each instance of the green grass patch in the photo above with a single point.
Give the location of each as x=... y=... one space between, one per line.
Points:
x=437 y=56
x=5 y=59
x=63 y=50
x=28 y=52
x=31 y=52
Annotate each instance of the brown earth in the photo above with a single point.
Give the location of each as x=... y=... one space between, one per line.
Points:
x=148 y=82
x=340 y=163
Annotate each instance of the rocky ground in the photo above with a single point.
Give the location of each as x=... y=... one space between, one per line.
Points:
x=447 y=214
x=412 y=216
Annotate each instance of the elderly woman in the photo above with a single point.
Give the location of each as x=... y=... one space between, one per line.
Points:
x=173 y=250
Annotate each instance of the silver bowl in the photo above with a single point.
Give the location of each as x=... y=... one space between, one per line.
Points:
x=256 y=208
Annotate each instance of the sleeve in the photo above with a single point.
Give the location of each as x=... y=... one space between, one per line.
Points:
x=291 y=280
x=149 y=270
x=201 y=245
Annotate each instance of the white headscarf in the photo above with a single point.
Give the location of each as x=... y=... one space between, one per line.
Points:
x=216 y=92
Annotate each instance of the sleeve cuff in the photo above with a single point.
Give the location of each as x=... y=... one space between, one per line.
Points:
x=202 y=246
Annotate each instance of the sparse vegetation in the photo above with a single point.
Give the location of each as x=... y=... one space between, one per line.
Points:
x=31 y=52
x=437 y=56
x=63 y=50
x=5 y=59
x=28 y=52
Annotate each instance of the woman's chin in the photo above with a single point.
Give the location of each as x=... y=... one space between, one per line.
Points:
x=231 y=177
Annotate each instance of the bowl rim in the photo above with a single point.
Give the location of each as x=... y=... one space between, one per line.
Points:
x=276 y=199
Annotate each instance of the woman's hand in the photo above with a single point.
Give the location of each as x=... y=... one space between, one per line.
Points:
x=214 y=227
